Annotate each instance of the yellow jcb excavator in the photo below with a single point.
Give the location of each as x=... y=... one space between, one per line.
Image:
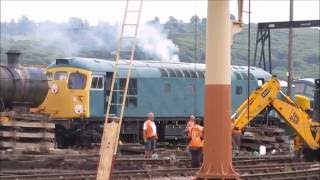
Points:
x=293 y=113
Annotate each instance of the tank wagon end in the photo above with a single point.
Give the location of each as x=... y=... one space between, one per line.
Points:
x=22 y=88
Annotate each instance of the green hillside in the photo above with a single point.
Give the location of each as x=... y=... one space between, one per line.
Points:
x=42 y=42
x=306 y=47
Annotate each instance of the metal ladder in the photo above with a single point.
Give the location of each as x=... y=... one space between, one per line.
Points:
x=112 y=125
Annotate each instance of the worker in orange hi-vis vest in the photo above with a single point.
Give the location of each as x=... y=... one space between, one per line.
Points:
x=195 y=144
x=149 y=135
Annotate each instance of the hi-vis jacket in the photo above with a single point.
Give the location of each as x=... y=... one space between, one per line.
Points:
x=196 y=136
x=150 y=129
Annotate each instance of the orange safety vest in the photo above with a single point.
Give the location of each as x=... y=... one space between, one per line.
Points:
x=196 y=133
x=149 y=131
x=235 y=131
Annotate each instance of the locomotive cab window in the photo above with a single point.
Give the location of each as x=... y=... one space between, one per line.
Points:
x=60 y=75
x=309 y=91
x=77 y=81
x=299 y=88
x=97 y=82
x=49 y=76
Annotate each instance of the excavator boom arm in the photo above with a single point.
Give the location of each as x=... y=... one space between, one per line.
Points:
x=267 y=96
x=299 y=121
x=258 y=101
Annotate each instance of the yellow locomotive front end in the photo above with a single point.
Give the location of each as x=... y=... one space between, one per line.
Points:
x=68 y=96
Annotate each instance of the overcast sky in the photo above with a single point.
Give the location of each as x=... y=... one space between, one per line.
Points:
x=112 y=11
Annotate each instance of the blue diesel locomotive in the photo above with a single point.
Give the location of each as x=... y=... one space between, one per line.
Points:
x=79 y=89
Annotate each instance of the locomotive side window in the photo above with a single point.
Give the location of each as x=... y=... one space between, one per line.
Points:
x=61 y=75
x=132 y=89
x=77 y=81
x=97 y=82
x=49 y=76
x=238 y=90
x=131 y=100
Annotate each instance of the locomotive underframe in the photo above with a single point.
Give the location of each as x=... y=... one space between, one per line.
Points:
x=88 y=132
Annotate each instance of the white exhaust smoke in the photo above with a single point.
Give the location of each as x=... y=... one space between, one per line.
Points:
x=153 y=41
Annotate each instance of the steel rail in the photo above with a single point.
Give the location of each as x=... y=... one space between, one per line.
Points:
x=255 y=171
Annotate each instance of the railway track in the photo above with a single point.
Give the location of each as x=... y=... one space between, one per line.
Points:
x=301 y=174
x=90 y=161
x=302 y=170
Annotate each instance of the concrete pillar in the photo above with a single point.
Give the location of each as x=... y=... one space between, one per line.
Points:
x=217 y=123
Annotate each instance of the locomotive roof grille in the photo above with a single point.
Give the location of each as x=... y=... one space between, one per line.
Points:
x=153 y=68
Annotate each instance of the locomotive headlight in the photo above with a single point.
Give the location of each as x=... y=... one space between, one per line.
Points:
x=78 y=109
x=54 y=88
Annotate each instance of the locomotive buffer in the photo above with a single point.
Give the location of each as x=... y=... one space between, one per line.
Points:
x=115 y=109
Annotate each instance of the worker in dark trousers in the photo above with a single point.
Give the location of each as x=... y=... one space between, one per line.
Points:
x=195 y=135
x=236 y=139
x=150 y=135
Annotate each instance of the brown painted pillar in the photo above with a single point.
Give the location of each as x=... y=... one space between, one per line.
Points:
x=217 y=124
